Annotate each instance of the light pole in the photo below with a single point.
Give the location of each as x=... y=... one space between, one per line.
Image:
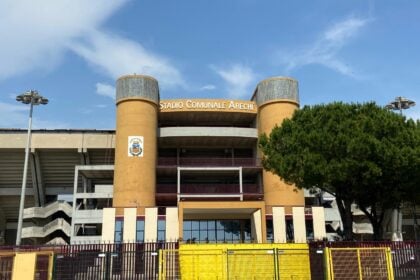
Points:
x=401 y=103
x=33 y=98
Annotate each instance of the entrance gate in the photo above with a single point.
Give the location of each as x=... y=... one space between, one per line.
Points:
x=243 y=261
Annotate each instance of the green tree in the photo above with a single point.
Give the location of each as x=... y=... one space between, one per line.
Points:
x=360 y=153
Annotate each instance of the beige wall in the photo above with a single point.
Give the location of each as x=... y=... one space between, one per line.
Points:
x=256 y=227
x=150 y=224
x=299 y=227
x=108 y=225
x=318 y=217
x=134 y=177
x=130 y=223
x=279 y=225
x=172 y=224
x=66 y=140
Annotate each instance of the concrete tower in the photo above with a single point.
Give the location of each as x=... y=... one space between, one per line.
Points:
x=277 y=98
x=136 y=142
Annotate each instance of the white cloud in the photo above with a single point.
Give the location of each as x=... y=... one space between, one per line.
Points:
x=13 y=116
x=117 y=56
x=342 y=31
x=324 y=50
x=239 y=80
x=105 y=90
x=100 y=106
x=207 y=87
x=36 y=36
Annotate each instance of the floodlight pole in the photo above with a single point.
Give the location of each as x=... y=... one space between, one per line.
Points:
x=401 y=103
x=33 y=98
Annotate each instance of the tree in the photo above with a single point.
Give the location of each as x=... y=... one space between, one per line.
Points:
x=360 y=153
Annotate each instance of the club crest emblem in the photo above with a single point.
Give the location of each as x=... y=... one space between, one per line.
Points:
x=135 y=146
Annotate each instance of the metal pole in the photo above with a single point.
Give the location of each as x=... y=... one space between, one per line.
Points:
x=25 y=173
x=399 y=104
x=415 y=221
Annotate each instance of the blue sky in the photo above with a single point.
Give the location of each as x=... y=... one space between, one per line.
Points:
x=72 y=51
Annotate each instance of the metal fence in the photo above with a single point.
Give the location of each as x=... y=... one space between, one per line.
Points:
x=6 y=266
x=109 y=261
x=359 y=263
x=228 y=261
x=405 y=257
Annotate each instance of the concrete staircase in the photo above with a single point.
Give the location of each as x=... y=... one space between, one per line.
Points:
x=48 y=210
x=44 y=231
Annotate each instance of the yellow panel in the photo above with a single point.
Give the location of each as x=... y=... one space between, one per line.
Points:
x=24 y=266
x=251 y=264
x=294 y=264
x=244 y=261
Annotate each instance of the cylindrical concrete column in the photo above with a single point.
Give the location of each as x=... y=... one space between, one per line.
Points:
x=277 y=98
x=136 y=142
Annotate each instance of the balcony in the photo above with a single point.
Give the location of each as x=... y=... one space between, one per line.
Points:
x=209 y=161
x=210 y=192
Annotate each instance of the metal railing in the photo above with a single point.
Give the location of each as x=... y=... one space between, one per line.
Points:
x=208 y=161
x=405 y=256
x=110 y=261
x=208 y=188
x=146 y=260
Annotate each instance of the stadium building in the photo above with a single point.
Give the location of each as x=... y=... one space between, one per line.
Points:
x=181 y=169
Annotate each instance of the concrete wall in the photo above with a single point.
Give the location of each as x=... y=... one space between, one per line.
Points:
x=318 y=217
x=150 y=225
x=58 y=140
x=172 y=224
x=130 y=223
x=277 y=99
x=137 y=110
x=279 y=225
x=299 y=227
x=108 y=225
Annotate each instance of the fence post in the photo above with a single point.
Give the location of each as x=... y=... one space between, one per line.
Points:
x=108 y=267
x=227 y=264
x=276 y=264
x=53 y=267
x=161 y=258
x=359 y=263
x=327 y=262
x=389 y=263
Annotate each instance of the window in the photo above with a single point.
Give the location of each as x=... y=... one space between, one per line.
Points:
x=210 y=231
x=119 y=230
x=309 y=230
x=161 y=229
x=290 y=234
x=140 y=230
x=270 y=230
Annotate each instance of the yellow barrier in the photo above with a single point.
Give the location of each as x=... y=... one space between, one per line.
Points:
x=236 y=261
x=359 y=263
x=26 y=265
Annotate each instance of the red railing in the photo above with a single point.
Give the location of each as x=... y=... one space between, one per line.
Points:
x=209 y=188
x=209 y=161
